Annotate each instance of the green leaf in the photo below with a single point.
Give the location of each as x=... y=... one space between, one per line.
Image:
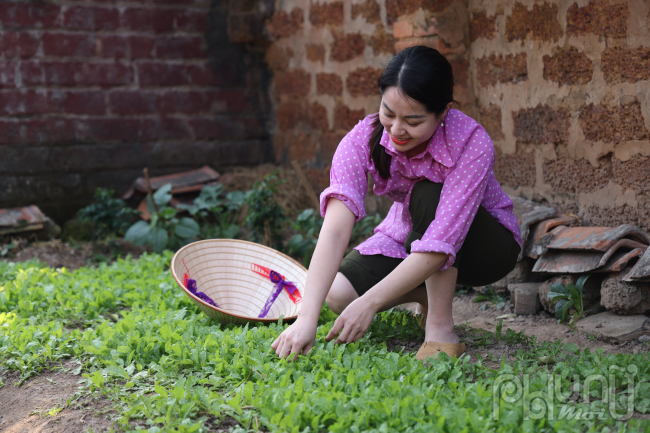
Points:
x=581 y=282
x=158 y=239
x=558 y=289
x=187 y=228
x=230 y=232
x=163 y=195
x=561 y=307
x=138 y=233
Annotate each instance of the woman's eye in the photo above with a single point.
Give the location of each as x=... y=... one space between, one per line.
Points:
x=413 y=124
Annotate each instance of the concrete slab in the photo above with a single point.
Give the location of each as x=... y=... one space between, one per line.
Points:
x=526 y=296
x=611 y=327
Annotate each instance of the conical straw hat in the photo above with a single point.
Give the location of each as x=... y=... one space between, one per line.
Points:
x=222 y=270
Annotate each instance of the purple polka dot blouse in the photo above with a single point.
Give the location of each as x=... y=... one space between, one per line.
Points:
x=460 y=155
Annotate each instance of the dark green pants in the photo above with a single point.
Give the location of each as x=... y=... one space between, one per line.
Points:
x=488 y=254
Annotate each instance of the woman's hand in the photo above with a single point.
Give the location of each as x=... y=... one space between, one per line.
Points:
x=297 y=339
x=354 y=321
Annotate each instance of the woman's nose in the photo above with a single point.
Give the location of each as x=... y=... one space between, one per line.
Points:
x=397 y=128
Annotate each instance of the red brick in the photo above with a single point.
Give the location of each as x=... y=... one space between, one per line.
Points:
x=283 y=24
x=397 y=8
x=295 y=83
x=301 y=147
x=345 y=118
x=437 y=44
x=633 y=173
x=329 y=84
x=482 y=26
x=318 y=117
x=7 y=74
x=330 y=141
x=460 y=67
x=201 y=101
x=91 y=18
x=232 y=101
x=315 y=52
x=540 y=24
x=628 y=65
x=13 y=102
x=131 y=47
x=109 y=129
x=347 y=47
x=163 y=74
x=228 y=127
x=75 y=73
x=204 y=75
x=501 y=69
x=288 y=115
x=326 y=14
x=179 y=47
x=382 y=42
x=68 y=44
x=363 y=81
x=566 y=175
x=613 y=124
x=278 y=57
x=156 y=20
x=514 y=170
x=403 y=29
x=491 y=121
x=76 y=102
x=50 y=130
x=11 y=131
x=125 y=102
x=598 y=17
x=568 y=67
x=368 y=10
x=192 y=21
x=29 y=15
x=541 y=125
x=166 y=128
x=18 y=44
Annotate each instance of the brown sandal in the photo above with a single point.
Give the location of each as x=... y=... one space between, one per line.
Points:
x=432 y=349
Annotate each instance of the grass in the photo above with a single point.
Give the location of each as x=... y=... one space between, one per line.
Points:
x=165 y=366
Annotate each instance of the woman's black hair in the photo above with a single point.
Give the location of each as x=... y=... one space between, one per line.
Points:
x=422 y=74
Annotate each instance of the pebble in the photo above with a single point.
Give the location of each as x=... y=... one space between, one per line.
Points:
x=644 y=338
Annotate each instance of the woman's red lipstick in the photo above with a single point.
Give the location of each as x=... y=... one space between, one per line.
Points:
x=400 y=142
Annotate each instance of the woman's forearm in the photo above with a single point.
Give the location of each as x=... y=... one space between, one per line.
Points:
x=332 y=242
x=413 y=270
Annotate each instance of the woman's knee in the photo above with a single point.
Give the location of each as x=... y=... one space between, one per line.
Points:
x=341 y=294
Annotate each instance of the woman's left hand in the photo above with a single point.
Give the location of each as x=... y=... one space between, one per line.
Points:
x=354 y=321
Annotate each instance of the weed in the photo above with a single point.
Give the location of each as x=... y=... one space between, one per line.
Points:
x=568 y=298
x=491 y=298
x=109 y=216
x=164 y=229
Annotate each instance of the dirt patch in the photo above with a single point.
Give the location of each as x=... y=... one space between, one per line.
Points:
x=72 y=256
x=542 y=325
x=34 y=406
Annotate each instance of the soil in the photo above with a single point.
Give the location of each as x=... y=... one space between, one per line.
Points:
x=25 y=408
x=72 y=256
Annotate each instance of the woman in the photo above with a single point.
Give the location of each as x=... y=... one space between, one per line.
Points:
x=451 y=223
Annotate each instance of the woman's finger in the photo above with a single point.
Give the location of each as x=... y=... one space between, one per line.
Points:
x=276 y=343
x=338 y=325
x=345 y=334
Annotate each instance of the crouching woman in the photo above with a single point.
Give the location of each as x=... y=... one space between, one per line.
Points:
x=451 y=223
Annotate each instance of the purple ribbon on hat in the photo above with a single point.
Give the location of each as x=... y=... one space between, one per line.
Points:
x=280 y=283
x=191 y=286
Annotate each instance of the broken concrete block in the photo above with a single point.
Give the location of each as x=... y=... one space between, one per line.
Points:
x=590 y=292
x=526 y=296
x=522 y=273
x=611 y=327
x=623 y=297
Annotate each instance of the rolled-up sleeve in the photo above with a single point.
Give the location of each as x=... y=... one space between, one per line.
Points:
x=462 y=194
x=348 y=175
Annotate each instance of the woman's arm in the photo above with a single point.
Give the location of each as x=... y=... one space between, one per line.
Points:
x=333 y=239
x=355 y=320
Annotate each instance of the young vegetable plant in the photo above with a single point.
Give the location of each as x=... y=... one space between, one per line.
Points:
x=164 y=230
x=568 y=298
x=264 y=215
x=211 y=206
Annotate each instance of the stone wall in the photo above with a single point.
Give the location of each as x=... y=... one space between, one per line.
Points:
x=91 y=92
x=563 y=88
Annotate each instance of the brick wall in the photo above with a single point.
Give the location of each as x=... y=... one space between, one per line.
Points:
x=93 y=91
x=563 y=88
x=326 y=57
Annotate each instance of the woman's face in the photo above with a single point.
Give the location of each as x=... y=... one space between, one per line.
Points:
x=407 y=121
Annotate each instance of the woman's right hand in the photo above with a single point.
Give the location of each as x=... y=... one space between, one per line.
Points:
x=297 y=339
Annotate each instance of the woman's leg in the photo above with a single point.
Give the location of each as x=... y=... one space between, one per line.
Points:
x=440 y=322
